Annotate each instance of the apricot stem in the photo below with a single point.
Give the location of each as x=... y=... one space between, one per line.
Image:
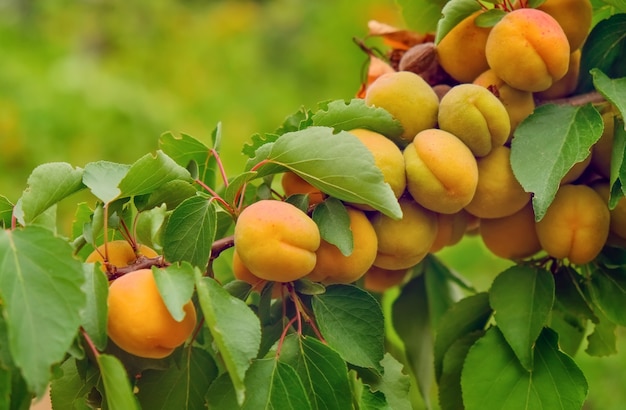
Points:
x=90 y=343
x=141 y=263
x=220 y=165
x=215 y=195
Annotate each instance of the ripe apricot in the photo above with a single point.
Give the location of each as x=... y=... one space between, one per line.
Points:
x=441 y=171
x=139 y=321
x=498 y=192
x=513 y=236
x=461 y=51
x=617 y=225
x=293 y=184
x=476 y=116
x=120 y=253
x=241 y=272
x=528 y=49
x=276 y=240
x=566 y=85
x=575 y=225
x=405 y=242
x=602 y=150
x=334 y=267
x=574 y=17
x=379 y=280
x=408 y=98
x=576 y=171
x=387 y=156
x=518 y=104
x=450 y=229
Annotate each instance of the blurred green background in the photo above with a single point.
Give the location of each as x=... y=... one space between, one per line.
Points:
x=90 y=80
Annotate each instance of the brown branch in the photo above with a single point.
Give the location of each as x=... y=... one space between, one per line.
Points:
x=141 y=263
x=221 y=245
x=593 y=97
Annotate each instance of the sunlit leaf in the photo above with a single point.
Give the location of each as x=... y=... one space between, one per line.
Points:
x=119 y=394
x=6 y=212
x=565 y=134
x=351 y=321
x=603 y=340
x=333 y=221
x=103 y=177
x=421 y=15
x=235 y=328
x=176 y=286
x=149 y=173
x=171 y=194
x=394 y=384
x=522 y=298
x=452 y=14
x=41 y=290
x=184 y=148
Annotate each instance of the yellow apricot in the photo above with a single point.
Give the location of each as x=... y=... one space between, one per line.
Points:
x=408 y=98
x=461 y=51
x=576 y=171
x=405 y=242
x=513 y=236
x=241 y=272
x=139 y=321
x=617 y=225
x=602 y=150
x=334 y=267
x=293 y=184
x=441 y=171
x=575 y=225
x=120 y=253
x=566 y=85
x=498 y=192
x=528 y=49
x=276 y=240
x=518 y=104
x=476 y=116
x=379 y=280
x=574 y=17
x=450 y=229
x=387 y=156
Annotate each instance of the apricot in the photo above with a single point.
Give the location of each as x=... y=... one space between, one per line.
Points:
x=450 y=229
x=575 y=225
x=334 y=267
x=498 y=192
x=528 y=49
x=241 y=272
x=441 y=171
x=511 y=237
x=576 y=171
x=476 y=116
x=293 y=184
x=566 y=85
x=379 y=280
x=602 y=150
x=139 y=321
x=276 y=240
x=408 y=98
x=387 y=157
x=461 y=51
x=120 y=253
x=574 y=17
x=405 y=242
x=518 y=104
x=617 y=224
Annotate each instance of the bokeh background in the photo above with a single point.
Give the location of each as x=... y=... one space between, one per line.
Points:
x=90 y=80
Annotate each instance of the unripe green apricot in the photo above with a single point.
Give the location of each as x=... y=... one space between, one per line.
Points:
x=528 y=49
x=575 y=225
x=498 y=192
x=441 y=171
x=408 y=98
x=476 y=116
x=276 y=241
x=405 y=242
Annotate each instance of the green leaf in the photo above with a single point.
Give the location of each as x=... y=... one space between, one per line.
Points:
x=411 y=320
x=565 y=134
x=608 y=292
x=190 y=232
x=103 y=178
x=603 y=340
x=613 y=90
x=570 y=296
x=492 y=377
x=176 y=387
x=603 y=50
x=321 y=369
x=149 y=173
x=333 y=221
x=71 y=389
x=450 y=394
x=171 y=194
x=352 y=322
x=184 y=149
x=466 y=316
x=94 y=314
x=571 y=330
x=489 y=18
x=394 y=384
x=6 y=212
x=354 y=114
x=176 y=286
x=48 y=184
x=452 y=14
x=618 y=165
x=119 y=394
x=257 y=141
x=440 y=293
x=522 y=298
x=421 y=15
x=40 y=287
x=236 y=330
x=149 y=226
x=337 y=164
x=270 y=384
